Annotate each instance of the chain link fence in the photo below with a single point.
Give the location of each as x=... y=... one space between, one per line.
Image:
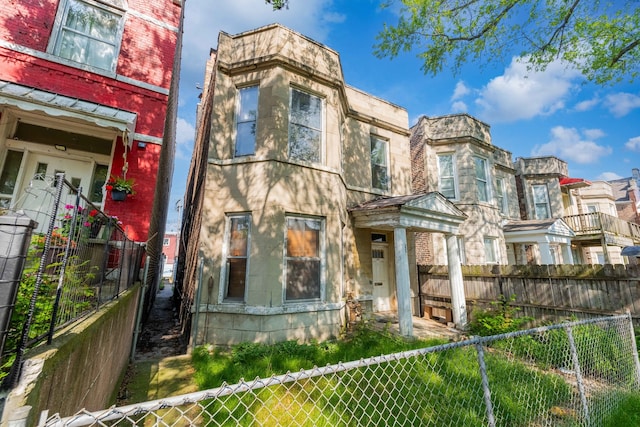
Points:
x=571 y=374
x=78 y=258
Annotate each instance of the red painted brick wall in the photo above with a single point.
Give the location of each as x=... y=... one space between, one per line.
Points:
x=146 y=55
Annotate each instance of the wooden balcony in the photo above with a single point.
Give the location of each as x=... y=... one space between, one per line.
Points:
x=597 y=225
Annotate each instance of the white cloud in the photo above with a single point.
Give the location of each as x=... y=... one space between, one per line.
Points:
x=621 y=103
x=586 y=105
x=459 y=107
x=633 y=144
x=569 y=145
x=608 y=176
x=523 y=94
x=460 y=91
x=185 y=132
x=593 y=133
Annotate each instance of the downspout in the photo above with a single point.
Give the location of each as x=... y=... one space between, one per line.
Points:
x=196 y=310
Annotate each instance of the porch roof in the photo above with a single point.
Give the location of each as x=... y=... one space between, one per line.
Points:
x=415 y=212
x=30 y=99
x=535 y=230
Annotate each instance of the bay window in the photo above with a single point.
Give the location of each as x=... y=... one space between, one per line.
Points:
x=305 y=127
x=482 y=179
x=447 y=176
x=246 y=119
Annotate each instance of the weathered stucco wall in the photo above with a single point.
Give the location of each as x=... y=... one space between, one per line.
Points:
x=82 y=368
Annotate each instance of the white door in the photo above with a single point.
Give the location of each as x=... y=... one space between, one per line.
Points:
x=36 y=195
x=381 y=288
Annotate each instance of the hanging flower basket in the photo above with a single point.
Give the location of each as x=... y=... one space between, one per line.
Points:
x=120 y=187
x=118 y=195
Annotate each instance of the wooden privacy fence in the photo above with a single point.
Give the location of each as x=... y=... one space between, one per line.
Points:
x=541 y=291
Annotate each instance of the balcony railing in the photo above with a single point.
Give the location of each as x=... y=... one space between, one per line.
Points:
x=598 y=223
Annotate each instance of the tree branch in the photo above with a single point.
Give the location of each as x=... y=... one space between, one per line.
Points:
x=624 y=51
x=562 y=26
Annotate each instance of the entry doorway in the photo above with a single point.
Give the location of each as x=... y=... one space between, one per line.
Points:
x=382 y=294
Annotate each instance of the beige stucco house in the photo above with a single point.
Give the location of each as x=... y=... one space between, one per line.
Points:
x=302 y=198
x=454 y=156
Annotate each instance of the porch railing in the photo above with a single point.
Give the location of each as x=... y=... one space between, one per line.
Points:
x=598 y=222
x=79 y=259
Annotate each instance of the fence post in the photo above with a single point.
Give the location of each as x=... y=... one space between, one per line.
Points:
x=634 y=349
x=576 y=368
x=485 y=385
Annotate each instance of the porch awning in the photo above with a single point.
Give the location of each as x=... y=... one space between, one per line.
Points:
x=30 y=99
x=416 y=212
x=631 y=251
x=573 y=183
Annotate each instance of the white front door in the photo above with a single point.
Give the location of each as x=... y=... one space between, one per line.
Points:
x=381 y=288
x=37 y=194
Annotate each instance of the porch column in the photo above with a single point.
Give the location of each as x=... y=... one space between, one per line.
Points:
x=567 y=256
x=545 y=253
x=458 y=299
x=403 y=289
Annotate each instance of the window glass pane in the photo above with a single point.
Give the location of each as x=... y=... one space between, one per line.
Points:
x=500 y=196
x=239 y=229
x=541 y=202
x=246 y=121
x=379 y=171
x=89 y=35
x=305 y=122
x=481 y=179
x=10 y=171
x=446 y=176
x=97 y=183
x=303 y=259
x=490 y=250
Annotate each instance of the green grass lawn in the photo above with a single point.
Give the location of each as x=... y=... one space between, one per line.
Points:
x=441 y=388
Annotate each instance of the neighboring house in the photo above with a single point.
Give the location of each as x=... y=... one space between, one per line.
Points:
x=84 y=89
x=454 y=156
x=585 y=228
x=626 y=193
x=170 y=252
x=301 y=195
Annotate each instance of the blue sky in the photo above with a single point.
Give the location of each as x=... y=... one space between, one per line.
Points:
x=595 y=129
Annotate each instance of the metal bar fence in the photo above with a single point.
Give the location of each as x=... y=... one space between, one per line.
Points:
x=79 y=259
x=570 y=374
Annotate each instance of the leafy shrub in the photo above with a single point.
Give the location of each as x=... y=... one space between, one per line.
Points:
x=499 y=319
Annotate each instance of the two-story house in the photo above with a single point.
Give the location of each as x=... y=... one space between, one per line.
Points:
x=454 y=156
x=301 y=195
x=84 y=88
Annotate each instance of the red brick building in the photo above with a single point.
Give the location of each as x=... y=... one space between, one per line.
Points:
x=84 y=88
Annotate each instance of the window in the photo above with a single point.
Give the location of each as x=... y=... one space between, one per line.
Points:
x=97 y=183
x=541 y=202
x=165 y=242
x=446 y=176
x=500 y=196
x=9 y=177
x=246 y=119
x=490 y=253
x=305 y=127
x=481 y=178
x=379 y=170
x=239 y=227
x=303 y=258
x=88 y=32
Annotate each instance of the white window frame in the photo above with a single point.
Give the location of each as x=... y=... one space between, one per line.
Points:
x=490 y=250
x=546 y=203
x=226 y=256
x=387 y=181
x=320 y=129
x=453 y=177
x=321 y=258
x=501 y=196
x=482 y=181
x=245 y=118
x=59 y=27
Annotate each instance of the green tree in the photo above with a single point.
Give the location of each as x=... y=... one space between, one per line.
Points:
x=600 y=38
x=278 y=4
